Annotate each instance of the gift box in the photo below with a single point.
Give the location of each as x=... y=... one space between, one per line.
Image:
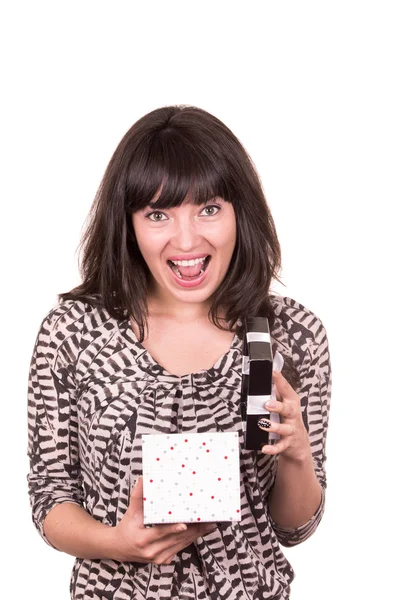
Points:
x=257 y=385
x=190 y=478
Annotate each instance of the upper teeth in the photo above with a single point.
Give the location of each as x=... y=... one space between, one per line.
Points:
x=188 y=263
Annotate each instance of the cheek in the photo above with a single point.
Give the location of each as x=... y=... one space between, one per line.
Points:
x=230 y=230
x=141 y=241
x=151 y=248
x=233 y=235
x=229 y=238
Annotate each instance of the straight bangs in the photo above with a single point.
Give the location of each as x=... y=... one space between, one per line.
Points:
x=168 y=169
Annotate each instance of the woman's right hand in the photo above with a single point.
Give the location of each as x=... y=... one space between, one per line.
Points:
x=132 y=541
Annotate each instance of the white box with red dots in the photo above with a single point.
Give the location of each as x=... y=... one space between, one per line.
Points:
x=190 y=478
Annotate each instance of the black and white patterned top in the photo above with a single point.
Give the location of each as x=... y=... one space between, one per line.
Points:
x=94 y=390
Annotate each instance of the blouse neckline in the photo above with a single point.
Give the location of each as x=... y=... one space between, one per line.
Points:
x=148 y=364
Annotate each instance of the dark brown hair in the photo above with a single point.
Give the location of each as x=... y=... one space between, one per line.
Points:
x=177 y=149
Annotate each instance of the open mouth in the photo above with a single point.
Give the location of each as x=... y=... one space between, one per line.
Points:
x=188 y=270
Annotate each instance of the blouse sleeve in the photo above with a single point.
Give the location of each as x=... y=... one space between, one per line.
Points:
x=315 y=395
x=54 y=475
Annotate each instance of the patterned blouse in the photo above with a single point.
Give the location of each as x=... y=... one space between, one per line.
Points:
x=94 y=390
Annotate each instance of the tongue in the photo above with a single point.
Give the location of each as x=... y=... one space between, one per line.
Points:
x=190 y=271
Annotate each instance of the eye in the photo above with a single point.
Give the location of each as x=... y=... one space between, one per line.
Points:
x=210 y=210
x=156 y=216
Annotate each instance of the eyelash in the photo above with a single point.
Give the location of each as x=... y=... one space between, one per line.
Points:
x=154 y=212
x=158 y=212
x=212 y=206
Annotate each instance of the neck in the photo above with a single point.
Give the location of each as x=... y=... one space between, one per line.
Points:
x=180 y=311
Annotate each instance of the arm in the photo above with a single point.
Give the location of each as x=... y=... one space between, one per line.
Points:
x=55 y=481
x=54 y=477
x=296 y=503
x=69 y=528
x=74 y=531
x=296 y=494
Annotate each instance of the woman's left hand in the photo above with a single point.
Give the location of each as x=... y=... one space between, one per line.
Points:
x=294 y=443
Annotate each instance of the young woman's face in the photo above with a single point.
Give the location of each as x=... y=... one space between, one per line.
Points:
x=188 y=248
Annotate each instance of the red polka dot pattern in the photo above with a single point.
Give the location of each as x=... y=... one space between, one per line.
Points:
x=183 y=479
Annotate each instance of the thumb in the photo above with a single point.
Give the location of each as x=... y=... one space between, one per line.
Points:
x=135 y=506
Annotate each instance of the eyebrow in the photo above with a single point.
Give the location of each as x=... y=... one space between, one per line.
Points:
x=213 y=199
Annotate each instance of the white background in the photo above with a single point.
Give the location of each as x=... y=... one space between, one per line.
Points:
x=310 y=89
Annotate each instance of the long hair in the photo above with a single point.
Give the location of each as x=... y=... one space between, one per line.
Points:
x=177 y=150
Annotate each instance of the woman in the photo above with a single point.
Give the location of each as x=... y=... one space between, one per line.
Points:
x=180 y=250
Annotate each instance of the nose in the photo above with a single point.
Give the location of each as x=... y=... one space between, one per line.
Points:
x=186 y=235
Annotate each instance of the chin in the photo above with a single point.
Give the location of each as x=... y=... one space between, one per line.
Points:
x=193 y=296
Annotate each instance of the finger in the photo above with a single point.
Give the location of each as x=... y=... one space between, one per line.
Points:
x=135 y=507
x=283 y=388
x=167 y=548
x=281 y=446
x=163 y=532
x=277 y=394
x=282 y=429
x=286 y=409
x=137 y=491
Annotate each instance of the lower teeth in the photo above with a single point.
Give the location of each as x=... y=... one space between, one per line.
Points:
x=180 y=276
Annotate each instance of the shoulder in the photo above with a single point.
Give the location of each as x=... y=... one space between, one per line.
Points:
x=65 y=317
x=70 y=316
x=295 y=324
x=299 y=334
x=292 y=313
x=66 y=323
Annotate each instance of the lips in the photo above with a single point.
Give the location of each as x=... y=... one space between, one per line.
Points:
x=189 y=272
x=189 y=269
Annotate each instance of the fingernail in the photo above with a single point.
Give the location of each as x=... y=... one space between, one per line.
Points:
x=181 y=527
x=264 y=423
x=276 y=373
x=265 y=448
x=270 y=404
